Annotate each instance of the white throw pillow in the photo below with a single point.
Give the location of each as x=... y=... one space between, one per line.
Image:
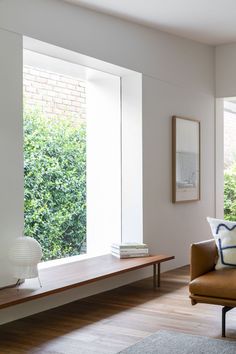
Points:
x=224 y=233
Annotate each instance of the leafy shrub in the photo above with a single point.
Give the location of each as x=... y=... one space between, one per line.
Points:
x=230 y=193
x=55 y=184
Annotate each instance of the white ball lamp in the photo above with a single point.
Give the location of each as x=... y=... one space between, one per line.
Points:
x=25 y=254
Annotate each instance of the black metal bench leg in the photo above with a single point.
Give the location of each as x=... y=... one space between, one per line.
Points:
x=156 y=275
x=225 y=309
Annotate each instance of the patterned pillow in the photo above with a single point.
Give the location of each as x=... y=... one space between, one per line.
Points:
x=224 y=233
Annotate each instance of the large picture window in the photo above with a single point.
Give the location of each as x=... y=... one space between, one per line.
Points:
x=82 y=153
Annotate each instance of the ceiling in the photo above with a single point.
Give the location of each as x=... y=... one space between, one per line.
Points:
x=207 y=21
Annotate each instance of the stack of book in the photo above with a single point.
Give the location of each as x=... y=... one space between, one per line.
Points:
x=129 y=250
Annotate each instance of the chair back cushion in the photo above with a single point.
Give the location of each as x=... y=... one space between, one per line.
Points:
x=224 y=233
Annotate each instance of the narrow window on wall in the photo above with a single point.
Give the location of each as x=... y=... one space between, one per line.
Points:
x=230 y=158
x=54 y=155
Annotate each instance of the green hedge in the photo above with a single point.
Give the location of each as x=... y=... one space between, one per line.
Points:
x=230 y=193
x=55 y=184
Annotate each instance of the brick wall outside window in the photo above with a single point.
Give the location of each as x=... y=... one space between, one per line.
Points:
x=55 y=94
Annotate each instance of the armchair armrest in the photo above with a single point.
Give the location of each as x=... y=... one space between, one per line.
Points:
x=203 y=258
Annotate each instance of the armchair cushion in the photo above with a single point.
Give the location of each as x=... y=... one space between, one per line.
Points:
x=216 y=284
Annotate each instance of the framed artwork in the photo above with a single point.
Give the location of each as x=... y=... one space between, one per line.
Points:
x=185 y=159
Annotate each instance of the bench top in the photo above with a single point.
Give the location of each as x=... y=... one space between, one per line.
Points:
x=74 y=274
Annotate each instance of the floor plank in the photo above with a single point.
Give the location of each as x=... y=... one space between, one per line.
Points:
x=108 y=322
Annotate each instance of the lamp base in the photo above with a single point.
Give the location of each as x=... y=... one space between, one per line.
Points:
x=18 y=283
x=26 y=272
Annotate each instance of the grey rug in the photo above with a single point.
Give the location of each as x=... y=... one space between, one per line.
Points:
x=166 y=342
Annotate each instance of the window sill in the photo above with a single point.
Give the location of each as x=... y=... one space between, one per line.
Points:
x=58 y=262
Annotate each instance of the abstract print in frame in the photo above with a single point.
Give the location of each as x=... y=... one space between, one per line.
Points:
x=185 y=159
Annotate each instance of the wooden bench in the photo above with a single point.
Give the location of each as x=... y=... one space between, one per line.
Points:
x=71 y=275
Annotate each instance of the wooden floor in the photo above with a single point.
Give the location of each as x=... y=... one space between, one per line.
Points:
x=108 y=322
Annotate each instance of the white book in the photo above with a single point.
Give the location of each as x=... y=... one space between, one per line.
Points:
x=129 y=256
x=130 y=251
x=129 y=245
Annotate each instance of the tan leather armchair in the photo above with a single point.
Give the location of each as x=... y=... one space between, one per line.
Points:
x=208 y=285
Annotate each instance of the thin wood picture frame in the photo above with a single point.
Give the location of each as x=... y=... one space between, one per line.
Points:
x=186 y=158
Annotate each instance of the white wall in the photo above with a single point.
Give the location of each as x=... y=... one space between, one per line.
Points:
x=225 y=70
x=11 y=153
x=103 y=119
x=53 y=64
x=132 y=159
x=178 y=78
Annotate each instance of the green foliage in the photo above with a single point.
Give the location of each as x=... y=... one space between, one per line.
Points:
x=230 y=193
x=55 y=184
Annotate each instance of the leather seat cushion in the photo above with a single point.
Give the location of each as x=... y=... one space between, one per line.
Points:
x=218 y=283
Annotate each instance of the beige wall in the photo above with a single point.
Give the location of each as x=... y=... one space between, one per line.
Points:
x=11 y=148
x=225 y=59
